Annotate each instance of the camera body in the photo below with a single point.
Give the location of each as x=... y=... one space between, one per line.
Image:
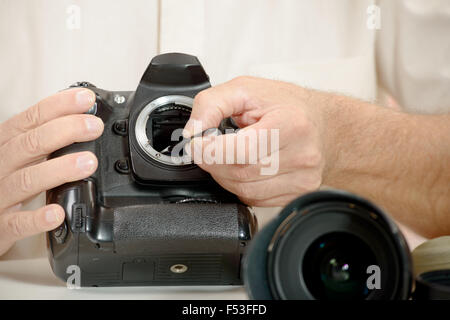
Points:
x=140 y=219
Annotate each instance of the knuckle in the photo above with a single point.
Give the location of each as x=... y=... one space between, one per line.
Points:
x=307 y=159
x=24 y=181
x=315 y=183
x=14 y=226
x=201 y=98
x=312 y=159
x=31 y=142
x=311 y=182
x=33 y=116
x=241 y=80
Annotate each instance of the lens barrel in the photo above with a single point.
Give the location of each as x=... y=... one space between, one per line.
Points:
x=433 y=285
x=329 y=245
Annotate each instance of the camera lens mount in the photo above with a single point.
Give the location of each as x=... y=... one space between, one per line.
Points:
x=155 y=126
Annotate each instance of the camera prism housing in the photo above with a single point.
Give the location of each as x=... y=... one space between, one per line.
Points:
x=143 y=218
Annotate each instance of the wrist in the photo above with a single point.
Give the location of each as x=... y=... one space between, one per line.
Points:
x=330 y=114
x=349 y=134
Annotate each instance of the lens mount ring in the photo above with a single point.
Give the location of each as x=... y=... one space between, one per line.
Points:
x=141 y=125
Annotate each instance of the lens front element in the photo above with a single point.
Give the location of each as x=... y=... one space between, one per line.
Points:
x=335 y=267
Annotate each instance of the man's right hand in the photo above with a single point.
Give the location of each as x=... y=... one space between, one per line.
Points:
x=25 y=142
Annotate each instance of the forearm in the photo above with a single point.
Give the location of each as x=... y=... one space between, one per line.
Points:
x=400 y=161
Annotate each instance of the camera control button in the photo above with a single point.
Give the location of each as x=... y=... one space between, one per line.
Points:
x=78 y=217
x=120 y=127
x=122 y=166
x=84 y=84
x=93 y=109
x=60 y=233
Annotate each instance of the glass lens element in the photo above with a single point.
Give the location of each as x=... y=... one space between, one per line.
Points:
x=335 y=267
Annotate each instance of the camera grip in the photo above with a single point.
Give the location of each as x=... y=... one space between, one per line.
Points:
x=177 y=228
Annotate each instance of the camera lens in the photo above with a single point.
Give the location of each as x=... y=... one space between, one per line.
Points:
x=329 y=245
x=335 y=267
x=433 y=285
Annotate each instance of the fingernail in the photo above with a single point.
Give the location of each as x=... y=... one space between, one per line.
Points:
x=52 y=215
x=196 y=146
x=187 y=131
x=192 y=127
x=85 y=98
x=86 y=163
x=93 y=124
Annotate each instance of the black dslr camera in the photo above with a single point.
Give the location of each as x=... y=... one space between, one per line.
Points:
x=145 y=218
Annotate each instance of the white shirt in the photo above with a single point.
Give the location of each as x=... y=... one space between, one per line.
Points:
x=324 y=44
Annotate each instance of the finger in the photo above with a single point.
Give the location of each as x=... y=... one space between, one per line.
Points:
x=283 y=161
x=259 y=190
x=254 y=143
x=279 y=201
x=248 y=118
x=287 y=183
x=15 y=226
x=264 y=169
x=30 y=181
x=13 y=208
x=77 y=100
x=213 y=105
x=37 y=143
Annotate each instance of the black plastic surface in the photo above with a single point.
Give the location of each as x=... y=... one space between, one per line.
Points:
x=128 y=224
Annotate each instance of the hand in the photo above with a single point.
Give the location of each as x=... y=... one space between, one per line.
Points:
x=395 y=159
x=258 y=104
x=25 y=142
